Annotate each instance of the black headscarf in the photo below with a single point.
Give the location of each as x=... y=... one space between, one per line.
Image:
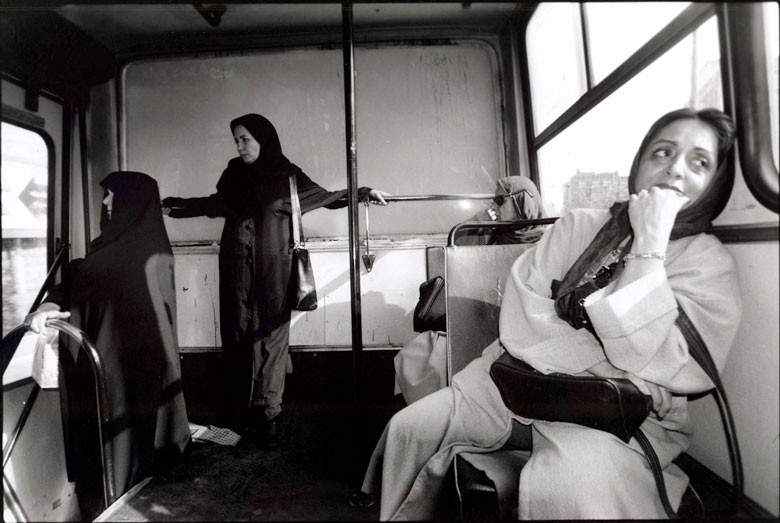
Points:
x=267 y=177
x=271 y=159
x=694 y=219
x=135 y=210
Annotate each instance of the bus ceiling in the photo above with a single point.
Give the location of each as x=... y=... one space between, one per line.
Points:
x=45 y=52
x=66 y=48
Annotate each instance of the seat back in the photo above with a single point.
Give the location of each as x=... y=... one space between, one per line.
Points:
x=475 y=278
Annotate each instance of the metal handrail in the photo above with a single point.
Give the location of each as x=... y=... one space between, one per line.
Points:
x=497 y=225
x=59 y=258
x=435 y=197
x=106 y=451
x=8 y=351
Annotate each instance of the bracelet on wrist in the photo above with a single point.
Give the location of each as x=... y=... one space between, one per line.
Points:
x=644 y=256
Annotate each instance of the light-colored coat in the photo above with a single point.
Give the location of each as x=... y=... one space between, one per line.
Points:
x=574 y=471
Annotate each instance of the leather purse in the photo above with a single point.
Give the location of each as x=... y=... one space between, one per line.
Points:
x=430 y=313
x=613 y=405
x=302 y=291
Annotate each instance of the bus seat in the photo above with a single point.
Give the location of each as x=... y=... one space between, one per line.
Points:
x=434 y=258
x=487 y=483
x=475 y=277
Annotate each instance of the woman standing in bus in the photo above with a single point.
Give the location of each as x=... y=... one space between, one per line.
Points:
x=122 y=295
x=253 y=195
x=661 y=257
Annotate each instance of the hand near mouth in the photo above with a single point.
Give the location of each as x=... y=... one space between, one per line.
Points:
x=652 y=213
x=669 y=187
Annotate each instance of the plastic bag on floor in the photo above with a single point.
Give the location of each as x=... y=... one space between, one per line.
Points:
x=421 y=366
x=218 y=435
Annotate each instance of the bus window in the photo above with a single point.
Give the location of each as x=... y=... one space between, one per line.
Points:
x=428 y=122
x=25 y=181
x=576 y=170
x=616 y=30
x=555 y=63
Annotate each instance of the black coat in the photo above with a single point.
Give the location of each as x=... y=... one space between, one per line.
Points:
x=254 y=253
x=122 y=295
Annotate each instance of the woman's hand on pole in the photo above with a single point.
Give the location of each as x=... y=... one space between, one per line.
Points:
x=377 y=197
x=36 y=321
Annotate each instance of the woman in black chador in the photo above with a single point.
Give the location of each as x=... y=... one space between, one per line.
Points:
x=253 y=195
x=122 y=295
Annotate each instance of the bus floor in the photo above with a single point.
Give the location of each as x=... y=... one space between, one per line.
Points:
x=323 y=453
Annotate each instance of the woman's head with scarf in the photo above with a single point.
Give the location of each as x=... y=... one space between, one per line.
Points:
x=700 y=141
x=131 y=206
x=258 y=143
x=687 y=150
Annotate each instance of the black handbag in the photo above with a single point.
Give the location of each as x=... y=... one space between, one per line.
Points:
x=302 y=291
x=430 y=313
x=613 y=405
x=610 y=404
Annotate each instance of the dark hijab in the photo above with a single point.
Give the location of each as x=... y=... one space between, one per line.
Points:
x=268 y=175
x=694 y=219
x=271 y=159
x=135 y=211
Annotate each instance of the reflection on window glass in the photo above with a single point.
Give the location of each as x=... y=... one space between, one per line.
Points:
x=618 y=29
x=588 y=164
x=772 y=34
x=556 y=63
x=25 y=181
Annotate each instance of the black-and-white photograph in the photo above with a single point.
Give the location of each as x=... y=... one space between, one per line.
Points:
x=370 y=261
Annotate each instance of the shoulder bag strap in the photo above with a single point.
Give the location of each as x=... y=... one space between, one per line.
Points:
x=698 y=350
x=295 y=204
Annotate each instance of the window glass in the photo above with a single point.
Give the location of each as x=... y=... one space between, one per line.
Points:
x=427 y=117
x=556 y=61
x=772 y=35
x=576 y=170
x=618 y=29
x=25 y=181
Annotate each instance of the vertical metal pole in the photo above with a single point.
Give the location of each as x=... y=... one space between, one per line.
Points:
x=354 y=251
x=66 y=169
x=84 y=152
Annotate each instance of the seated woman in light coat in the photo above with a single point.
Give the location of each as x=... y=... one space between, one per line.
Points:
x=678 y=183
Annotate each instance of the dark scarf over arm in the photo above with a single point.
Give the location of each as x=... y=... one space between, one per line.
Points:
x=272 y=167
x=242 y=188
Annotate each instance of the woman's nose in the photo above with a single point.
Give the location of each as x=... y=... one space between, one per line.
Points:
x=676 y=168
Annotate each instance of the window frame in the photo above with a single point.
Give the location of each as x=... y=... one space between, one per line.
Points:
x=691 y=18
x=35 y=124
x=745 y=38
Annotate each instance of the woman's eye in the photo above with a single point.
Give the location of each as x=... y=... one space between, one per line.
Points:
x=701 y=163
x=662 y=152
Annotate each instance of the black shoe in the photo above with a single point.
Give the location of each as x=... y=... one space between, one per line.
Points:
x=361 y=500
x=270 y=432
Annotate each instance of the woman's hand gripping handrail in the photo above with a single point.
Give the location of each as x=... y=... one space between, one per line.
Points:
x=12 y=339
x=106 y=454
